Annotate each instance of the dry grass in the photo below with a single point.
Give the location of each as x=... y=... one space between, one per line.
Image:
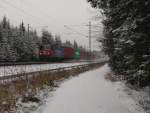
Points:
x=10 y=92
x=110 y=77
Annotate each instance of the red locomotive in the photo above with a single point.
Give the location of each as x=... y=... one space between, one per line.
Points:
x=56 y=53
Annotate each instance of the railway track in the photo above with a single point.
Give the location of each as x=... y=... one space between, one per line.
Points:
x=25 y=63
x=38 y=62
x=17 y=69
x=25 y=74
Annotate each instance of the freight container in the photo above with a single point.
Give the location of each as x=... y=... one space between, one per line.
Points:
x=77 y=53
x=58 y=54
x=68 y=53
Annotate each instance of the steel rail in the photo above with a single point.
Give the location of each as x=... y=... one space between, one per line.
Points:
x=28 y=74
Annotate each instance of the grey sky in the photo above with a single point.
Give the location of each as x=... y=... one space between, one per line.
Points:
x=54 y=14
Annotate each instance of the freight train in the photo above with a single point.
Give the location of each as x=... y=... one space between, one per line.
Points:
x=63 y=52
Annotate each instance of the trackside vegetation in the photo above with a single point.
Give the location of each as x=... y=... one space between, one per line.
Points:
x=127 y=37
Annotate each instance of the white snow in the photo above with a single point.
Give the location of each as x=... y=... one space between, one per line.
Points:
x=91 y=93
x=140 y=95
x=29 y=107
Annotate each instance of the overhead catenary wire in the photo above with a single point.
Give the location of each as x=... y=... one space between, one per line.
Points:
x=3 y=8
x=39 y=20
x=21 y=13
x=97 y=30
x=26 y=13
x=75 y=31
x=46 y=15
x=43 y=12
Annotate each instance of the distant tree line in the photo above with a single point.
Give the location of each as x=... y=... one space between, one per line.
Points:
x=127 y=37
x=19 y=44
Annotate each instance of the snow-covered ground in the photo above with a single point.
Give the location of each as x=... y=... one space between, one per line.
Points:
x=140 y=95
x=12 y=70
x=91 y=93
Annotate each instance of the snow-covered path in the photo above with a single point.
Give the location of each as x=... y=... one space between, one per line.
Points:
x=91 y=93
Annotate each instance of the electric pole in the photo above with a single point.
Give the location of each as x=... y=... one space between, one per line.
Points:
x=28 y=30
x=28 y=82
x=90 y=51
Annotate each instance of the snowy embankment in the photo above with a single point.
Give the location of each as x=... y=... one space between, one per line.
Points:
x=91 y=93
x=18 y=69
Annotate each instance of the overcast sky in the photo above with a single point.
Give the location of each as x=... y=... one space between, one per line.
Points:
x=53 y=15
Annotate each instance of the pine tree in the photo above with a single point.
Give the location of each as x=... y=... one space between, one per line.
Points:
x=127 y=37
x=22 y=29
x=68 y=43
x=58 y=41
x=75 y=45
x=47 y=38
